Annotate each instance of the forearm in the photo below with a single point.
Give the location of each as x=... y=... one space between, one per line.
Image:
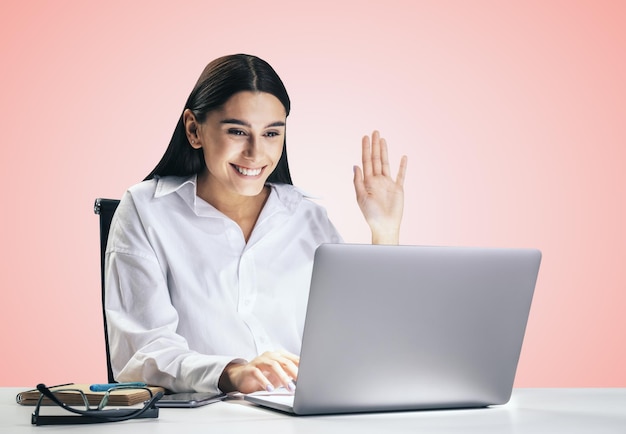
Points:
x=176 y=370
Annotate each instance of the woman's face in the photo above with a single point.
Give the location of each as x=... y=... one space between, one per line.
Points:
x=242 y=142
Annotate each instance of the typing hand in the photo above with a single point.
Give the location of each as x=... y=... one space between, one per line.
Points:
x=267 y=372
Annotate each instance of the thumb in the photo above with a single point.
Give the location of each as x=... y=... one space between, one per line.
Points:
x=359 y=187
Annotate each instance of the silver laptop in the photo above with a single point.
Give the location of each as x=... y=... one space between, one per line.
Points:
x=408 y=327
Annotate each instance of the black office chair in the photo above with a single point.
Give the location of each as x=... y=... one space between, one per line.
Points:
x=105 y=208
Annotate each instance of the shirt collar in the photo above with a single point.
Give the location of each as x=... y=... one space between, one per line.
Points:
x=286 y=197
x=170 y=184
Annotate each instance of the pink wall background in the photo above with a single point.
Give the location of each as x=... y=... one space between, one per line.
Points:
x=512 y=115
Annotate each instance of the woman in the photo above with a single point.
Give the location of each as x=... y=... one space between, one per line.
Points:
x=209 y=259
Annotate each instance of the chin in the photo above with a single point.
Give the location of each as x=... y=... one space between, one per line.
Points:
x=251 y=190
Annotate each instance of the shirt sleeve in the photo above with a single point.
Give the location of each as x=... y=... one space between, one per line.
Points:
x=141 y=319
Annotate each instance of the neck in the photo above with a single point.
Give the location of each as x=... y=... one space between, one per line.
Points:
x=243 y=210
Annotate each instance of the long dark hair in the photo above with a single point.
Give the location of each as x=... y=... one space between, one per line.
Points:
x=221 y=79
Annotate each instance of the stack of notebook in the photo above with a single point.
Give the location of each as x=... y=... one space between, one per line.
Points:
x=69 y=394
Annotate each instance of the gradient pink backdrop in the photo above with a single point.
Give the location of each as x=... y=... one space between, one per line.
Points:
x=512 y=114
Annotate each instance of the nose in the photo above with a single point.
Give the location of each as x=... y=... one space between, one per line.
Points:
x=253 y=148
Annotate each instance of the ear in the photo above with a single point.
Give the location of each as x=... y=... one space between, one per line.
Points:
x=191 y=129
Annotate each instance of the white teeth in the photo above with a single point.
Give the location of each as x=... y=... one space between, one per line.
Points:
x=248 y=172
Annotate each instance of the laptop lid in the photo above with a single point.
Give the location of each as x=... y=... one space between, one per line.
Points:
x=411 y=327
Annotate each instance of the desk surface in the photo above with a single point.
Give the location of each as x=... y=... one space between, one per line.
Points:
x=568 y=411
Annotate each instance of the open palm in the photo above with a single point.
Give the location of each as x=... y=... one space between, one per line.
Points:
x=380 y=197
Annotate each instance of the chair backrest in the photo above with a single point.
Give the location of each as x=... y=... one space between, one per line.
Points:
x=105 y=208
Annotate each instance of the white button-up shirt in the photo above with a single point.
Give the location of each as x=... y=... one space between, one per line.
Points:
x=185 y=293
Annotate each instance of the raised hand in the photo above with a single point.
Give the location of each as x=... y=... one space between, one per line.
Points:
x=380 y=198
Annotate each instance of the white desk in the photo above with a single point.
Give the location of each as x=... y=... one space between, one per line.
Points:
x=571 y=411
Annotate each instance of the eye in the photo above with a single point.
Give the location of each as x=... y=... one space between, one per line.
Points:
x=236 y=132
x=272 y=134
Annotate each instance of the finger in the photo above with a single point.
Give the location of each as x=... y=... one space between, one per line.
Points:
x=384 y=158
x=263 y=382
x=402 y=171
x=282 y=356
x=359 y=187
x=376 y=162
x=289 y=363
x=294 y=358
x=366 y=156
x=278 y=381
x=276 y=370
x=291 y=368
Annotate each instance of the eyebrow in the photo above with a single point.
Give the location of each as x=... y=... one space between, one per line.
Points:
x=246 y=124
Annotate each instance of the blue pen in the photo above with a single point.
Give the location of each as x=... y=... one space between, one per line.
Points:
x=105 y=387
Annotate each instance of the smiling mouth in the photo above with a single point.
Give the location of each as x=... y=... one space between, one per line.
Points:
x=247 y=172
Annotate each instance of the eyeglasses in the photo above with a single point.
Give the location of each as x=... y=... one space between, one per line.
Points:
x=89 y=414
